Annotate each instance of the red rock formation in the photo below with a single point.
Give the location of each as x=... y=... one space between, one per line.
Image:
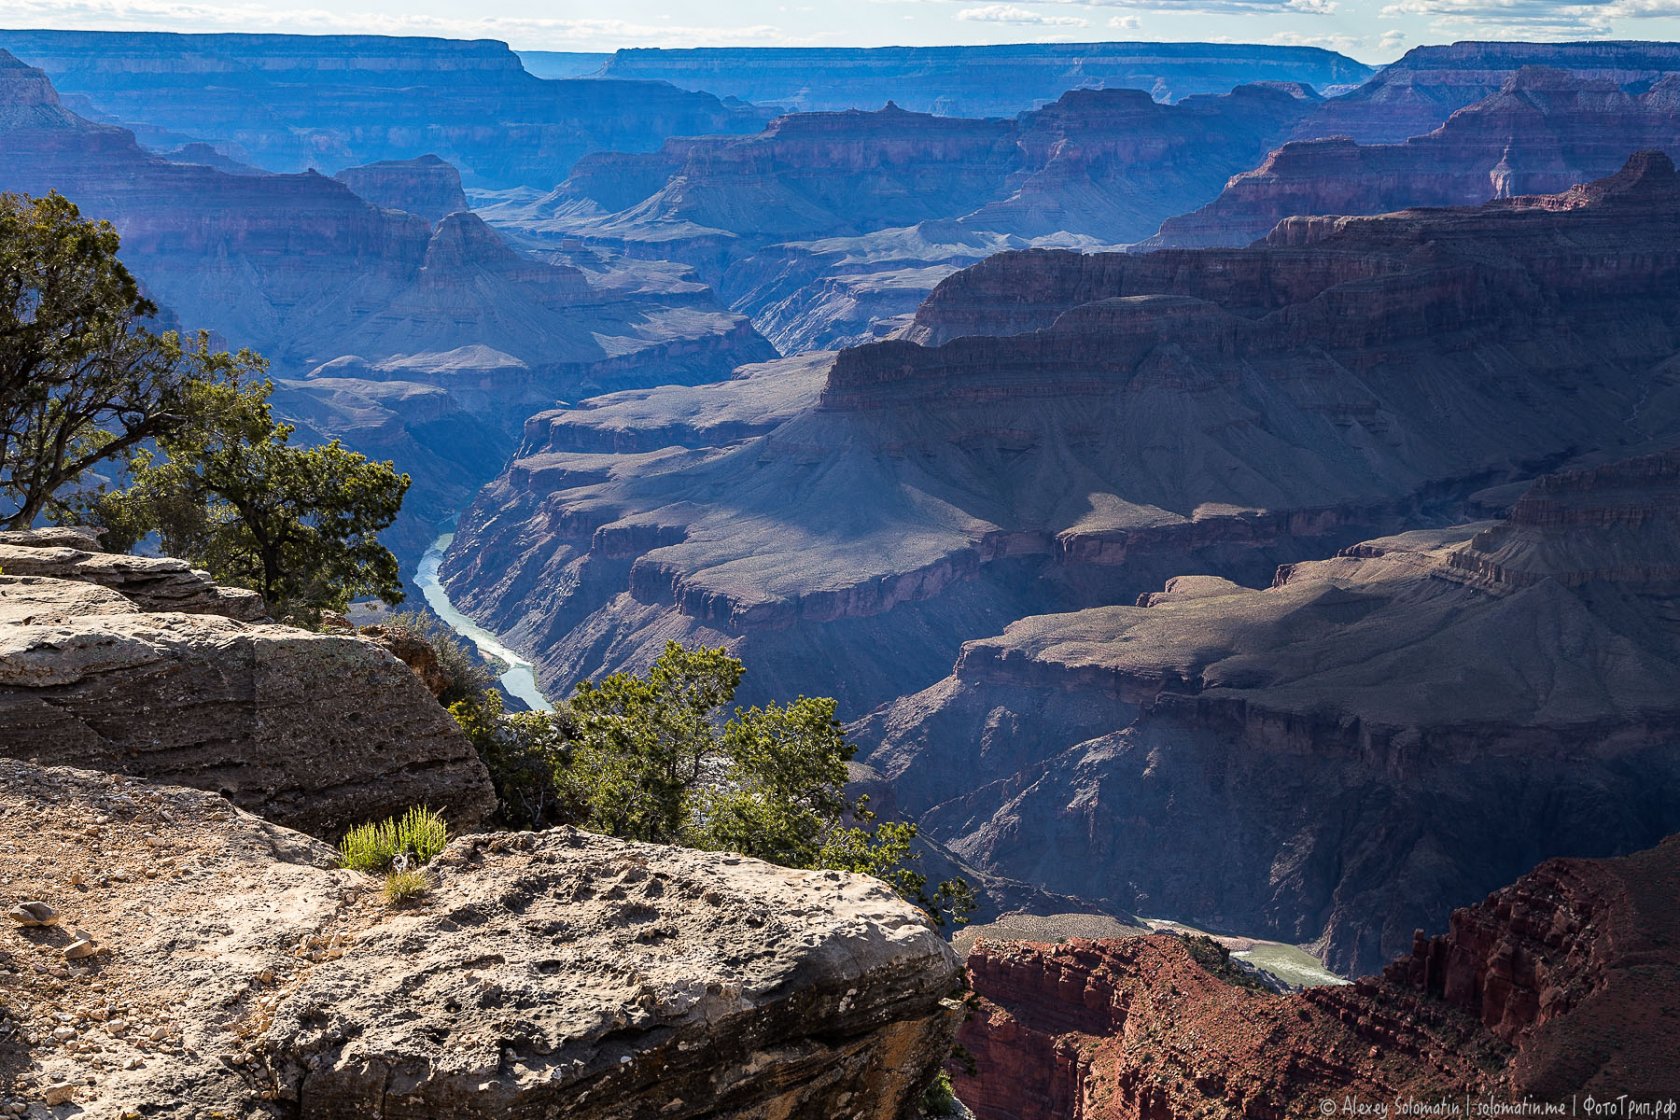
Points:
x=1563 y=984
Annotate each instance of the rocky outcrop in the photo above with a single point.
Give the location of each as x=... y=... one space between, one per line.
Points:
x=978 y=81
x=1543 y=131
x=236 y=971
x=133 y=665
x=1140 y=1028
x=294 y=102
x=425 y=186
x=1554 y=988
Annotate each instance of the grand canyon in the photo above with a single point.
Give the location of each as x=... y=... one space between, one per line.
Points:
x=1227 y=495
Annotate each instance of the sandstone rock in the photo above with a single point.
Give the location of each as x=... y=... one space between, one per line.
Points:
x=1555 y=988
x=149 y=583
x=413 y=651
x=319 y=731
x=554 y=972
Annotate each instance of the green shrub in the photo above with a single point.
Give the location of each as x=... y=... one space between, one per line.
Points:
x=417 y=836
x=405 y=887
x=940 y=1099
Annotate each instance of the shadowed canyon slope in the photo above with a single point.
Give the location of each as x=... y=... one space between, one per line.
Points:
x=979 y=81
x=847 y=524
x=1562 y=984
x=1159 y=410
x=828 y=224
x=1544 y=130
x=429 y=343
x=293 y=102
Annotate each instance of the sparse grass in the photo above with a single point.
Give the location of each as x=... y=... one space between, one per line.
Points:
x=402 y=888
x=417 y=836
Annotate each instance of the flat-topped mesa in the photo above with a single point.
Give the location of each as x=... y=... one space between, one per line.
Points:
x=289 y=102
x=139 y=665
x=1542 y=131
x=242 y=973
x=425 y=186
x=977 y=81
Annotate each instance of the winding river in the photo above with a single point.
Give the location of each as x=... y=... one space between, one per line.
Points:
x=521 y=678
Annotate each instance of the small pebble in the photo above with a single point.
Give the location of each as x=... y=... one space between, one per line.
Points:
x=79 y=948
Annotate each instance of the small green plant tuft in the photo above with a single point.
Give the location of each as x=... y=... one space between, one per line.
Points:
x=404 y=888
x=416 y=837
x=940 y=1098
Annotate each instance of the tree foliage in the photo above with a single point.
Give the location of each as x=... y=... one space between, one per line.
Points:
x=82 y=381
x=227 y=489
x=652 y=757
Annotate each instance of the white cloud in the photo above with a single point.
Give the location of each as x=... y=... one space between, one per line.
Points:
x=527 y=32
x=1531 y=19
x=1013 y=14
x=1124 y=23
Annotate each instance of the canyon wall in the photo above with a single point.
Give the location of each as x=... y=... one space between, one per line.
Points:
x=860 y=524
x=1555 y=988
x=294 y=102
x=978 y=81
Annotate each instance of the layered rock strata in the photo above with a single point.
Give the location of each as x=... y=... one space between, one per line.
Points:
x=1543 y=131
x=293 y=102
x=979 y=81
x=1554 y=989
x=425 y=186
x=1144 y=416
x=139 y=666
x=236 y=971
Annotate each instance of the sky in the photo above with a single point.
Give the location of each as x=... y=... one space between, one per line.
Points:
x=1370 y=30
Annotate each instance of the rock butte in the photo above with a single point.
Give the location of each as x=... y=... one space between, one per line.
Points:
x=1558 y=986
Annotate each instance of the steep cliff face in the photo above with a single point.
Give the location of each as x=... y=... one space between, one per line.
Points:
x=1418 y=92
x=321 y=281
x=1235 y=758
x=829 y=223
x=292 y=102
x=1367 y=733
x=1557 y=986
x=988 y=81
x=235 y=970
x=1543 y=131
x=1185 y=412
x=140 y=666
x=425 y=186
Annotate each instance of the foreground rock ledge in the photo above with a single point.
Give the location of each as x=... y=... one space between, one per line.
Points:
x=546 y=975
